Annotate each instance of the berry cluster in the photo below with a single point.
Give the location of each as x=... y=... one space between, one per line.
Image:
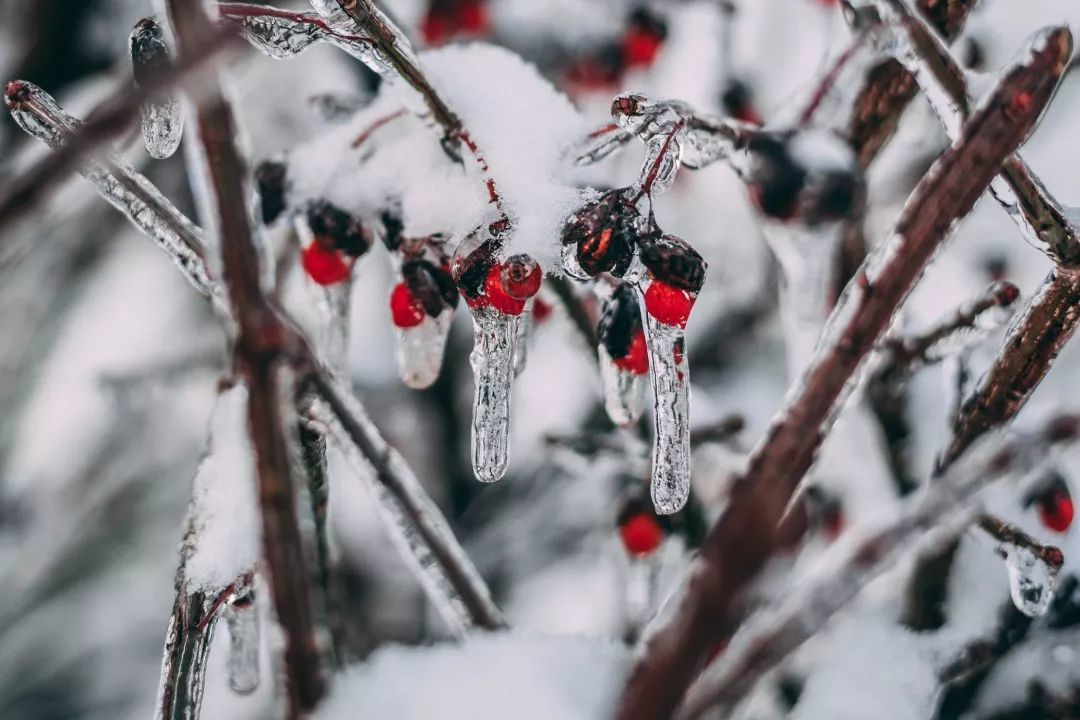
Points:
x=639 y=45
x=338 y=239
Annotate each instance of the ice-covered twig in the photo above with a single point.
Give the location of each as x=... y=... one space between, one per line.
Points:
x=775 y=633
x=105 y=123
x=187 y=646
x=901 y=357
x=743 y=537
x=1040 y=217
x=889 y=87
x=125 y=189
x=259 y=355
x=427 y=524
x=1011 y=535
x=284 y=33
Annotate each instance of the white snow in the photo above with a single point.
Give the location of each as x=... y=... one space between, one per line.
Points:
x=493 y=677
x=226 y=540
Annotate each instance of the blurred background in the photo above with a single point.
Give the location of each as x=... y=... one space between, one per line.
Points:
x=109 y=367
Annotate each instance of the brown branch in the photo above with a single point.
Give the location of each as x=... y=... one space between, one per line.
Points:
x=1011 y=535
x=258 y=356
x=743 y=538
x=187 y=647
x=107 y=122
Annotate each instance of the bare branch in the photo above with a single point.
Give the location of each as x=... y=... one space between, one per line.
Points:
x=743 y=538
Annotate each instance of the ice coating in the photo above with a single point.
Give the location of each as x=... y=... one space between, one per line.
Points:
x=663 y=157
x=334 y=336
x=640 y=591
x=277 y=36
x=671 y=393
x=419 y=350
x=624 y=392
x=162 y=116
x=701 y=140
x=36 y=112
x=1031 y=579
x=525 y=329
x=982 y=325
x=183 y=701
x=492 y=360
x=242 y=620
x=409 y=525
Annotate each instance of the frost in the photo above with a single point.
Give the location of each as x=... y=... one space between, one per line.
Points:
x=225 y=528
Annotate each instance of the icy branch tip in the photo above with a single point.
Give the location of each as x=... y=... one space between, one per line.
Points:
x=17 y=92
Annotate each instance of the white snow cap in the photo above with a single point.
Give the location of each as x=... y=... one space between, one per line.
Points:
x=487 y=677
x=224 y=508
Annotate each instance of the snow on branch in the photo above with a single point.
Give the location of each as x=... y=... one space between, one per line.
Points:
x=743 y=538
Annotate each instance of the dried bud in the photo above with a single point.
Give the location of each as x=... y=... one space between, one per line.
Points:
x=345 y=232
x=604 y=232
x=431 y=285
x=620 y=320
x=672 y=261
x=270 y=183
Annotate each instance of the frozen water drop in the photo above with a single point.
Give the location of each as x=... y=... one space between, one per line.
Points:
x=671 y=392
x=278 y=37
x=492 y=360
x=624 y=392
x=242 y=620
x=525 y=328
x=1031 y=579
x=162 y=116
x=420 y=350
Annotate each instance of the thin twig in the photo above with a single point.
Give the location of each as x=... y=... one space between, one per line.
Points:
x=743 y=538
x=258 y=355
x=107 y=122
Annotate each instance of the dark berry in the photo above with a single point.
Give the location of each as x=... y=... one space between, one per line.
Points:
x=270 y=178
x=405 y=309
x=431 y=285
x=521 y=276
x=346 y=232
x=149 y=53
x=324 y=265
x=471 y=270
x=393 y=228
x=738 y=102
x=667 y=304
x=672 y=261
x=498 y=297
x=604 y=232
x=833 y=195
x=775 y=178
x=620 y=320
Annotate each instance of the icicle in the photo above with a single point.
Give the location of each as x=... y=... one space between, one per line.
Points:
x=492 y=360
x=410 y=524
x=162 y=118
x=242 y=620
x=334 y=305
x=671 y=391
x=624 y=391
x=36 y=112
x=420 y=350
x=525 y=328
x=1031 y=579
x=640 y=591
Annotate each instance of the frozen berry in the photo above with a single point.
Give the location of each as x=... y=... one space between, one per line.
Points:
x=346 y=232
x=604 y=232
x=473 y=260
x=738 y=102
x=620 y=320
x=1055 y=508
x=405 y=310
x=635 y=361
x=541 y=311
x=472 y=18
x=641 y=534
x=521 y=276
x=498 y=297
x=325 y=265
x=270 y=177
x=600 y=70
x=775 y=178
x=430 y=285
x=672 y=261
x=667 y=304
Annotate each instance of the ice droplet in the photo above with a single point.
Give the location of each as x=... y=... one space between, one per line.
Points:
x=420 y=350
x=278 y=37
x=1031 y=579
x=525 y=328
x=162 y=116
x=671 y=391
x=663 y=157
x=492 y=359
x=242 y=620
x=640 y=591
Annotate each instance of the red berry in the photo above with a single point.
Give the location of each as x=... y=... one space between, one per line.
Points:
x=435 y=28
x=640 y=47
x=497 y=296
x=405 y=309
x=669 y=305
x=541 y=311
x=636 y=360
x=521 y=276
x=472 y=18
x=1056 y=509
x=832 y=524
x=641 y=534
x=324 y=265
